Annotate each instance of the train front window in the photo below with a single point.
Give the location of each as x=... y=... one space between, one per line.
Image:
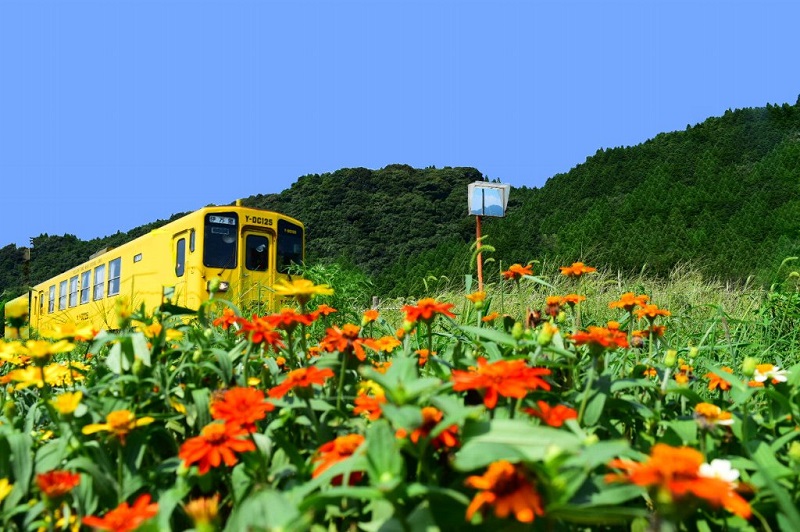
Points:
x=219 y=240
x=257 y=253
x=290 y=245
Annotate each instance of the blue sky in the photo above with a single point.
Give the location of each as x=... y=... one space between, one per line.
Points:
x=117 y=113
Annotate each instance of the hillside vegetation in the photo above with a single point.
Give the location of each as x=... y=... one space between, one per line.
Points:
x=723 y=195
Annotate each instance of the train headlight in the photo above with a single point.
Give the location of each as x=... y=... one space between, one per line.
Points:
x=215 y=285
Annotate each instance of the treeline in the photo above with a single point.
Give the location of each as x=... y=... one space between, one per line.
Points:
x=723 y=195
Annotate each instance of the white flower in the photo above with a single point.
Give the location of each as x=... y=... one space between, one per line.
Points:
x=768 y=371
x=721 y=469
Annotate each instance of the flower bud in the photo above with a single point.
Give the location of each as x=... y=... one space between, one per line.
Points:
x=213 y=286
x=546 y=334
x=670 y=358
x=138 y=366
x=794 y=451
x=408 y=326
x=517 y=331
x=749 y=366
x=693 y=351
x=562 y=317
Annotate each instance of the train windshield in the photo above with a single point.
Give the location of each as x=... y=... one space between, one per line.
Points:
x=219 y=241
x=290 y=245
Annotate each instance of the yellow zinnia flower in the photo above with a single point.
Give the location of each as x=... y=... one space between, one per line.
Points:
x=63 y=331
x=67 y=402
x=5 y=488
x=119 y=423
x=301 y=289
x=43 y=351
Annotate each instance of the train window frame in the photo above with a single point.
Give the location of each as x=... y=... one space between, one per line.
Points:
x=99 y=282
x=192 y=238
x=86 y=286
x=283 y=262
x=73 y=291
x=114 y=277
x=62 y=295
x=51 y=299
x=217 y=252
x=180 y=257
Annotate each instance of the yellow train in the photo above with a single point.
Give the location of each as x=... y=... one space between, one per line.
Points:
x=243 y=250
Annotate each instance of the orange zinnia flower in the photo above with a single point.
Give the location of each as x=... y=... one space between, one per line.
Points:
x=508 y=488
x=241 y=406
x=628 y=301
x=490 y=317
x=227 y=319
x=599 y=338
x=573 y=299
x=346 y=340
x=651 y=312
x=125 y=518
x=509 y=378
x=56 y=484
x=709 y=415
x=369 y=316
x=287 y=319
x=717 y=382
x=371 y=405
x=576 y=270
x=517 y=271
x=672 y=474
x=423 y=355
x=261 y=332
x=325 y=310
x=334 y=452
x=430 y=419
x=301 y=378
x=555 y=416
x=387 y=344
x=426 y=309
x=216 y=443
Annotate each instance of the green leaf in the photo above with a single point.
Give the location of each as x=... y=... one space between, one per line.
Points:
x=385 y=463
x=493 y=335
x=266 y=510
x=512 y=440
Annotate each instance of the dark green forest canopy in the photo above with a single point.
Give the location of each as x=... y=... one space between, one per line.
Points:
x=723 y=195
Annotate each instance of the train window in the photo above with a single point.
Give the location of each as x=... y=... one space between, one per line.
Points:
x=219 y=240
x=51 y=300
x=99 y=281
x=191 y=240
x=257 y=254
x=114 y=275
x=180 y=257
x=62 y=295
x=290 y=245
x=137 y=257
x=73 y=291
x=86 y=285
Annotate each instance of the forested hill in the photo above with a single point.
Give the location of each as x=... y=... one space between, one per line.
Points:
x=723 y=194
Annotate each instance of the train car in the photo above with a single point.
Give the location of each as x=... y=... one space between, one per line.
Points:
x=243 y=250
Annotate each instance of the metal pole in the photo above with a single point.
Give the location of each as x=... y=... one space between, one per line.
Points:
x=478 y=247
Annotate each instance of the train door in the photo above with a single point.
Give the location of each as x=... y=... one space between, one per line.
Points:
x=176 y=292
x=258 y=267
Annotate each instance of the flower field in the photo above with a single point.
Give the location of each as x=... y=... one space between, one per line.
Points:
x=553 y=400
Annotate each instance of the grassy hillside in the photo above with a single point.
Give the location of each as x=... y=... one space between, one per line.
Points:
x=723 y=195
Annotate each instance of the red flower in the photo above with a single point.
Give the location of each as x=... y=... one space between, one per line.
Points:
x=576 y=270
x=241 y=406
x=287 y=319
x=555 y=416
x=599 y=338
x=369 y=405
x=125 y=518
x=517 y=271
x=56 y=484
x=261 y=331
x=426 y=309
x=674 y=474
x=346 y=340
x=508 y=488
x=217 y=442
x=334 y=452
x=227 y=319
x=628 y=301
x=509 y=378
x=430 y=419
x=301 y=378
